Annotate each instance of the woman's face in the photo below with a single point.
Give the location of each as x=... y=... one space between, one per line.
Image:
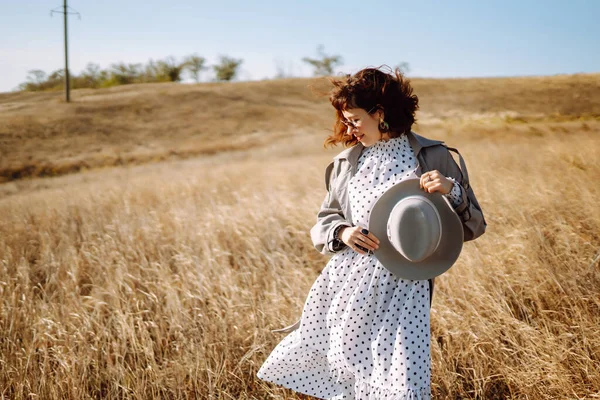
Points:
x=364 y=126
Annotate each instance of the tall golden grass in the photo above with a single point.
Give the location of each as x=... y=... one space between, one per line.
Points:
x=164 y=280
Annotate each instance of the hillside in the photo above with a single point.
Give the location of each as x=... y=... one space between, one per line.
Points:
x=164 y=280
x=40 y=135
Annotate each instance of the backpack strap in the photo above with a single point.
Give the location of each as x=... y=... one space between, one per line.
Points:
x=463 y=209
x=463 y=168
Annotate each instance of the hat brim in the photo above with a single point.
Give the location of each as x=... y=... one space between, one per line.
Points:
x=448 y=249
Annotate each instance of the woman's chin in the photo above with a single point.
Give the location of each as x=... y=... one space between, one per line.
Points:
x=367 y=143
x=364 y=141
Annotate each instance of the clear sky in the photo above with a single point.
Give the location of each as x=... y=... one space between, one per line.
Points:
x=438 y=38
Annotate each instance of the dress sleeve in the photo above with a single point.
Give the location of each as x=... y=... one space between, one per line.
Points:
x=455 y=195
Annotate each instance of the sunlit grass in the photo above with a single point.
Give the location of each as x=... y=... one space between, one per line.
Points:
x=164 y=280
x=164 y=283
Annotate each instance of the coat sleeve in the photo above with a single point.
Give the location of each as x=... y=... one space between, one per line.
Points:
x=468 y=209
x=329 y=217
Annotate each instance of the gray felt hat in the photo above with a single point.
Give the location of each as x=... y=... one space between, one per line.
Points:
x=420 y=235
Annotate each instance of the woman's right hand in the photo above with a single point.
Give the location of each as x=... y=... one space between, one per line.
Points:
x=359 y=239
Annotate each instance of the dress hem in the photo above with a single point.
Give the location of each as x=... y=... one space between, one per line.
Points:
x=362 y=390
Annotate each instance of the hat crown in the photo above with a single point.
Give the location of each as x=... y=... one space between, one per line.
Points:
x=415 y=228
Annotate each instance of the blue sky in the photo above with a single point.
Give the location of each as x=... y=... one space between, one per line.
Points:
x=442 y=38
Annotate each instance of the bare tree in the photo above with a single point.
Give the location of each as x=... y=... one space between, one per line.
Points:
x=36 y=80
x=280 y=67
x=404 y=67
x=227 y=68
x=125 y=74
x=283 y=71
x=36 y=76
x=324 y=64
x=195 y=64
x=91 y=76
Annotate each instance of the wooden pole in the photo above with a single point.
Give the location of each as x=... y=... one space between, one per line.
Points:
x=67 y=80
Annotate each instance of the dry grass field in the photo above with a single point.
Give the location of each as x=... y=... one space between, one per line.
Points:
x=152 y=236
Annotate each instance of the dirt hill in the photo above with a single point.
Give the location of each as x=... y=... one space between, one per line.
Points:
x=41 y=135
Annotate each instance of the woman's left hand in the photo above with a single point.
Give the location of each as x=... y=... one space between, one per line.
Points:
x=433 y=181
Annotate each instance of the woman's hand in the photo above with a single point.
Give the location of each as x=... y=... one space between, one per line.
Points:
x=359 y=239
x=433 y=181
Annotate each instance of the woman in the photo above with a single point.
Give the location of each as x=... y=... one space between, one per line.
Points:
x=364 y=333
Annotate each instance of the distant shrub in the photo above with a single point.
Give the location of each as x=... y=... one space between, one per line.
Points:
x=91 y=77
x=227 y=68
x=324 y=64
x=195 y=65
x=166 y=70
x=169 y=70
x=38 y=80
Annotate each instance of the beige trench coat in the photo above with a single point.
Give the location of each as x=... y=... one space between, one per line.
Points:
x=431 y=155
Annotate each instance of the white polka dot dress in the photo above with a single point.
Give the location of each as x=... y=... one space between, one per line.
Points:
x=364 y=333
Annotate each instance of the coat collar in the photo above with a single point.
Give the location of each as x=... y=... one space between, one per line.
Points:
x=417 y=142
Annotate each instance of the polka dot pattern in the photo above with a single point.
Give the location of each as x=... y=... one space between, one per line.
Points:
x=364 y=333
x=455 y=195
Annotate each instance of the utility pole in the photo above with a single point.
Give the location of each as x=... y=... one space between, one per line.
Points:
x=65 y=13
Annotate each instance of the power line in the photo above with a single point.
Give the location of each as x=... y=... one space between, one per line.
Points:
x=66 y=10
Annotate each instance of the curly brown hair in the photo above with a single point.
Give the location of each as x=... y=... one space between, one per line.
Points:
x=373 y=89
